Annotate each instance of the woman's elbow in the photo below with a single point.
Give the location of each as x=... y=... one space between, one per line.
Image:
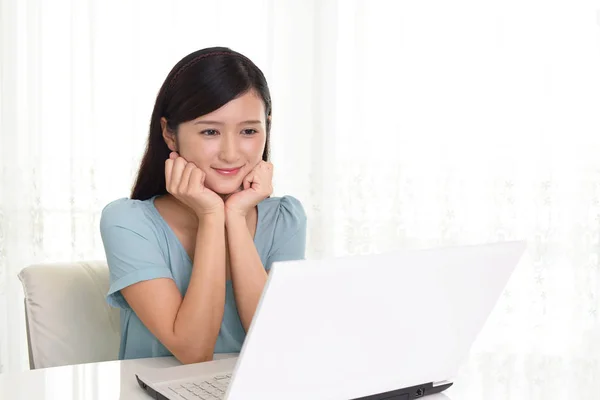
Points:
x=194 y=359
x=191 y=350
x=191 y=355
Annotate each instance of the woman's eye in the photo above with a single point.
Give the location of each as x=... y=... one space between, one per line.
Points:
x=209 y=132
x=249 y=131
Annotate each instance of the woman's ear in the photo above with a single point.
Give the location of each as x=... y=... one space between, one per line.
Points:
x=169 y=136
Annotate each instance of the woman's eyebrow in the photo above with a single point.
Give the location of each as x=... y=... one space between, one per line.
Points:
x=205 y=122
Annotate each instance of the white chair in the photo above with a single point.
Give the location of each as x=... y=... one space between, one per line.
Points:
x=67 y=318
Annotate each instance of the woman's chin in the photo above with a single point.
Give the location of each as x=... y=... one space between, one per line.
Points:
x=225 y=189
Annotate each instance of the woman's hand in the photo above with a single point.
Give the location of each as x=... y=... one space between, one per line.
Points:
x=185 y=182
x=257 y=186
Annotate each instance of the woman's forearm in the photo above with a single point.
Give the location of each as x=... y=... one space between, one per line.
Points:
x=247 y=271
x=200 y=315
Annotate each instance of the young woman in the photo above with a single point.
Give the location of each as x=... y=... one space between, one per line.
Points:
x=189 y=252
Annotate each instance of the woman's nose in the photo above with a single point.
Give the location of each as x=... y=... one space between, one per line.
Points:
x=229 y=149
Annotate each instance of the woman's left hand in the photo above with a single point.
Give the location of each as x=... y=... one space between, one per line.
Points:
x=257 y=186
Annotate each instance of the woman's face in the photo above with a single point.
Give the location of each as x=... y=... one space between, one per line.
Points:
x=225 y=144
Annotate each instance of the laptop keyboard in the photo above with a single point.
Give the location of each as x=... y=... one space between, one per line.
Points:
x=211 y=389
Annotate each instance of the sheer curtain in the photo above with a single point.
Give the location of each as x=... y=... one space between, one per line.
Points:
x=398 y=124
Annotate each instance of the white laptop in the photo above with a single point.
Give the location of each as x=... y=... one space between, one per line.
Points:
x=388 y=326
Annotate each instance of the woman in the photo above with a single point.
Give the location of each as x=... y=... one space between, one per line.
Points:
x=190 y=251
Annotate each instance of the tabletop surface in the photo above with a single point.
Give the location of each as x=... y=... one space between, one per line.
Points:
x=510 y=379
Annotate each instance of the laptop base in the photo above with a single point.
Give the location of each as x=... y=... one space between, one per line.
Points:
x=153 y=393
x=410 y=393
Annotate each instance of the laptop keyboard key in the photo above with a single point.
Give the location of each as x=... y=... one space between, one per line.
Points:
x=210 y=389
x=183 y=392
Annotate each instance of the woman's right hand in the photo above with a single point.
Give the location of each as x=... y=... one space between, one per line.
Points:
x=185 y=182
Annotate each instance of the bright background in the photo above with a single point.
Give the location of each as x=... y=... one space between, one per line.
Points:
x=399 y=124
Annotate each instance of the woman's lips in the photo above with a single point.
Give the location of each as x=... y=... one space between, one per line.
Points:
x=228 y=171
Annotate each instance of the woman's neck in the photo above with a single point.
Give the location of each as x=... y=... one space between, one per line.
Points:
x=179 y=213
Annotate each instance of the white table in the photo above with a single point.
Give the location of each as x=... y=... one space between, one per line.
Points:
x=116 y=380
x=109 y=380
x=95 y=381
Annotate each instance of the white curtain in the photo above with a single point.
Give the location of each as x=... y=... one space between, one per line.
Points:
x=398 y=124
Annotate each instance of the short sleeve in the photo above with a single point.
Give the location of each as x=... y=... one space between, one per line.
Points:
x=132 y=250
x=289 y=241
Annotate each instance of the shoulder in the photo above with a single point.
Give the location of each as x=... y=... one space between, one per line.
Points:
x=285 y=220
x=126 y=213
x=131 y=234
x=286 y=213
x=132 y=245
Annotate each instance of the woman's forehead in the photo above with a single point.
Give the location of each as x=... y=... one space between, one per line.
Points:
x=247 y=107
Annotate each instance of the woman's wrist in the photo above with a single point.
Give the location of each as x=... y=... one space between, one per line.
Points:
x=234 y=218
x=211 y=218
x=214 y=211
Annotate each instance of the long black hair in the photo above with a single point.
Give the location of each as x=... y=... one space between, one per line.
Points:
x=199 y=84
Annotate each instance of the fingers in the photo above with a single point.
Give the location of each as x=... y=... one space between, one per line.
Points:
x=176 y=175
x=267 y=165
x=263 y=167
x=174 y=168
x=169 y=168
x=268 y=178
x=196 y=179
x=248 y=179
x=185 y=177
x=266 y=170
x=168 y=172
x=260 y=178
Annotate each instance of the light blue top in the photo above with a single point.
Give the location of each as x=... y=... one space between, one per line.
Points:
x=139 y=246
